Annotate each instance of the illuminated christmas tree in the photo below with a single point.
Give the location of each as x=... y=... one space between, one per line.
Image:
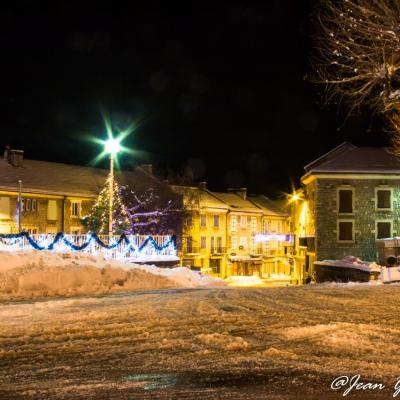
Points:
x=97 y=221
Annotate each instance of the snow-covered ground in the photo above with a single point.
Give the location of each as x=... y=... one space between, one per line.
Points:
x=208 y=343
x=32 y=274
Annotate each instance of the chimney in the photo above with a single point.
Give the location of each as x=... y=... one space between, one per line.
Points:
x=148 y=168
x=202 y=185
x=15 y=157
x=242 y=192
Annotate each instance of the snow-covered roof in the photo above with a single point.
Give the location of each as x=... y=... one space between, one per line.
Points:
x=268 y=206
x=348 y=158
x=236 y=202
x=63 y=179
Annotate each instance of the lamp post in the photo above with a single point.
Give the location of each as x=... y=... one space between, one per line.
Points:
x=19 y=206
x=112 y=147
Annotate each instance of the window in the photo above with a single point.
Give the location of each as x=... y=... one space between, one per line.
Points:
x=212 y=244
x=28 y=203
x=253 y=224
x=243 y=222
x=75 y=209
x=243 y=242
x=34 y=205
x=234 y=243
x=189 y=244
x=31 y=230
x=383 y=199
x=203 y=220
x=345 y=201
x=216 y=221
x=233 y=223
x=219 y=244
x=345 y=231
x=189 y=220
x=4 y=208
x=52 y=210
x=383 y=229
x=203 y=242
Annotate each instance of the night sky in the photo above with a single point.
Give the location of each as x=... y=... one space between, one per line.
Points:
x=219 y=88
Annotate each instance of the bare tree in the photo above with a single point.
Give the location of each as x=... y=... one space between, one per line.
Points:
x=358 y=56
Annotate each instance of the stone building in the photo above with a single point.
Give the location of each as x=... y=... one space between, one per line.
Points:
x=349 y=198
x=55 y=196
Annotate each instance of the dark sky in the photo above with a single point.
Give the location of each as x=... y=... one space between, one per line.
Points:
x=218 y=87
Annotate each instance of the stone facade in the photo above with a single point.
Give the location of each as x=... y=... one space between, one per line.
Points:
x=350 y=197
x=364 y=216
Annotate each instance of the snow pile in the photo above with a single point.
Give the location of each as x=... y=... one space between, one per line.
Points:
x=37 y=274
x=243 y=281
x=349 y=284
x=351 y=262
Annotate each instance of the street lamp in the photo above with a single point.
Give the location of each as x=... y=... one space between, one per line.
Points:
x=111 y=147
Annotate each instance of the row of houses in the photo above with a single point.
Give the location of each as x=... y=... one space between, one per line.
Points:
x=347 y=199
x=234 y=233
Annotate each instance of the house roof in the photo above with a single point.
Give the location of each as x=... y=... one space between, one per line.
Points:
x=63 y=179
x=208 y=199
x=348 y=158
x=268 y=206
x=236 y=202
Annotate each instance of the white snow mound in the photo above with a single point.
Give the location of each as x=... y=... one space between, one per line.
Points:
x=33 y=274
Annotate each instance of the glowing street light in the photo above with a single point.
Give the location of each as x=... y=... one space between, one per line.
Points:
x=295 y=197
x=112 y=146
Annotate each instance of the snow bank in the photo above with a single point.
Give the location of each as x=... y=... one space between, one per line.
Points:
x=36 y=274
x=243 y=281
x=351 y=262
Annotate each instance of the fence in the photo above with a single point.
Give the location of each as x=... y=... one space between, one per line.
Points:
x=135 y=247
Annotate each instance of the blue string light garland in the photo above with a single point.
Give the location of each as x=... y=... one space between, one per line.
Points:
x=93 y=236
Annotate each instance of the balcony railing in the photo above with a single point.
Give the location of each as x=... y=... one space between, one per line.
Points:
x=218 y=250
x=135 y=247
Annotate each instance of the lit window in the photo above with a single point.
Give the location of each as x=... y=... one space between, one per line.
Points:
x=216 y=221
x=243 y=242
x=243 y=222
x=203 y=220
x=383 y=199
x=383 y=230
x=234 y=243
x=253 y=224
x=75 y=208
x=234 y=223
x=345 y=201
x=346 y=231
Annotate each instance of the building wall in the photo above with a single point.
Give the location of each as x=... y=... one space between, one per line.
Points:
x=364 y=216
x=202 y=256
x=40 y=220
